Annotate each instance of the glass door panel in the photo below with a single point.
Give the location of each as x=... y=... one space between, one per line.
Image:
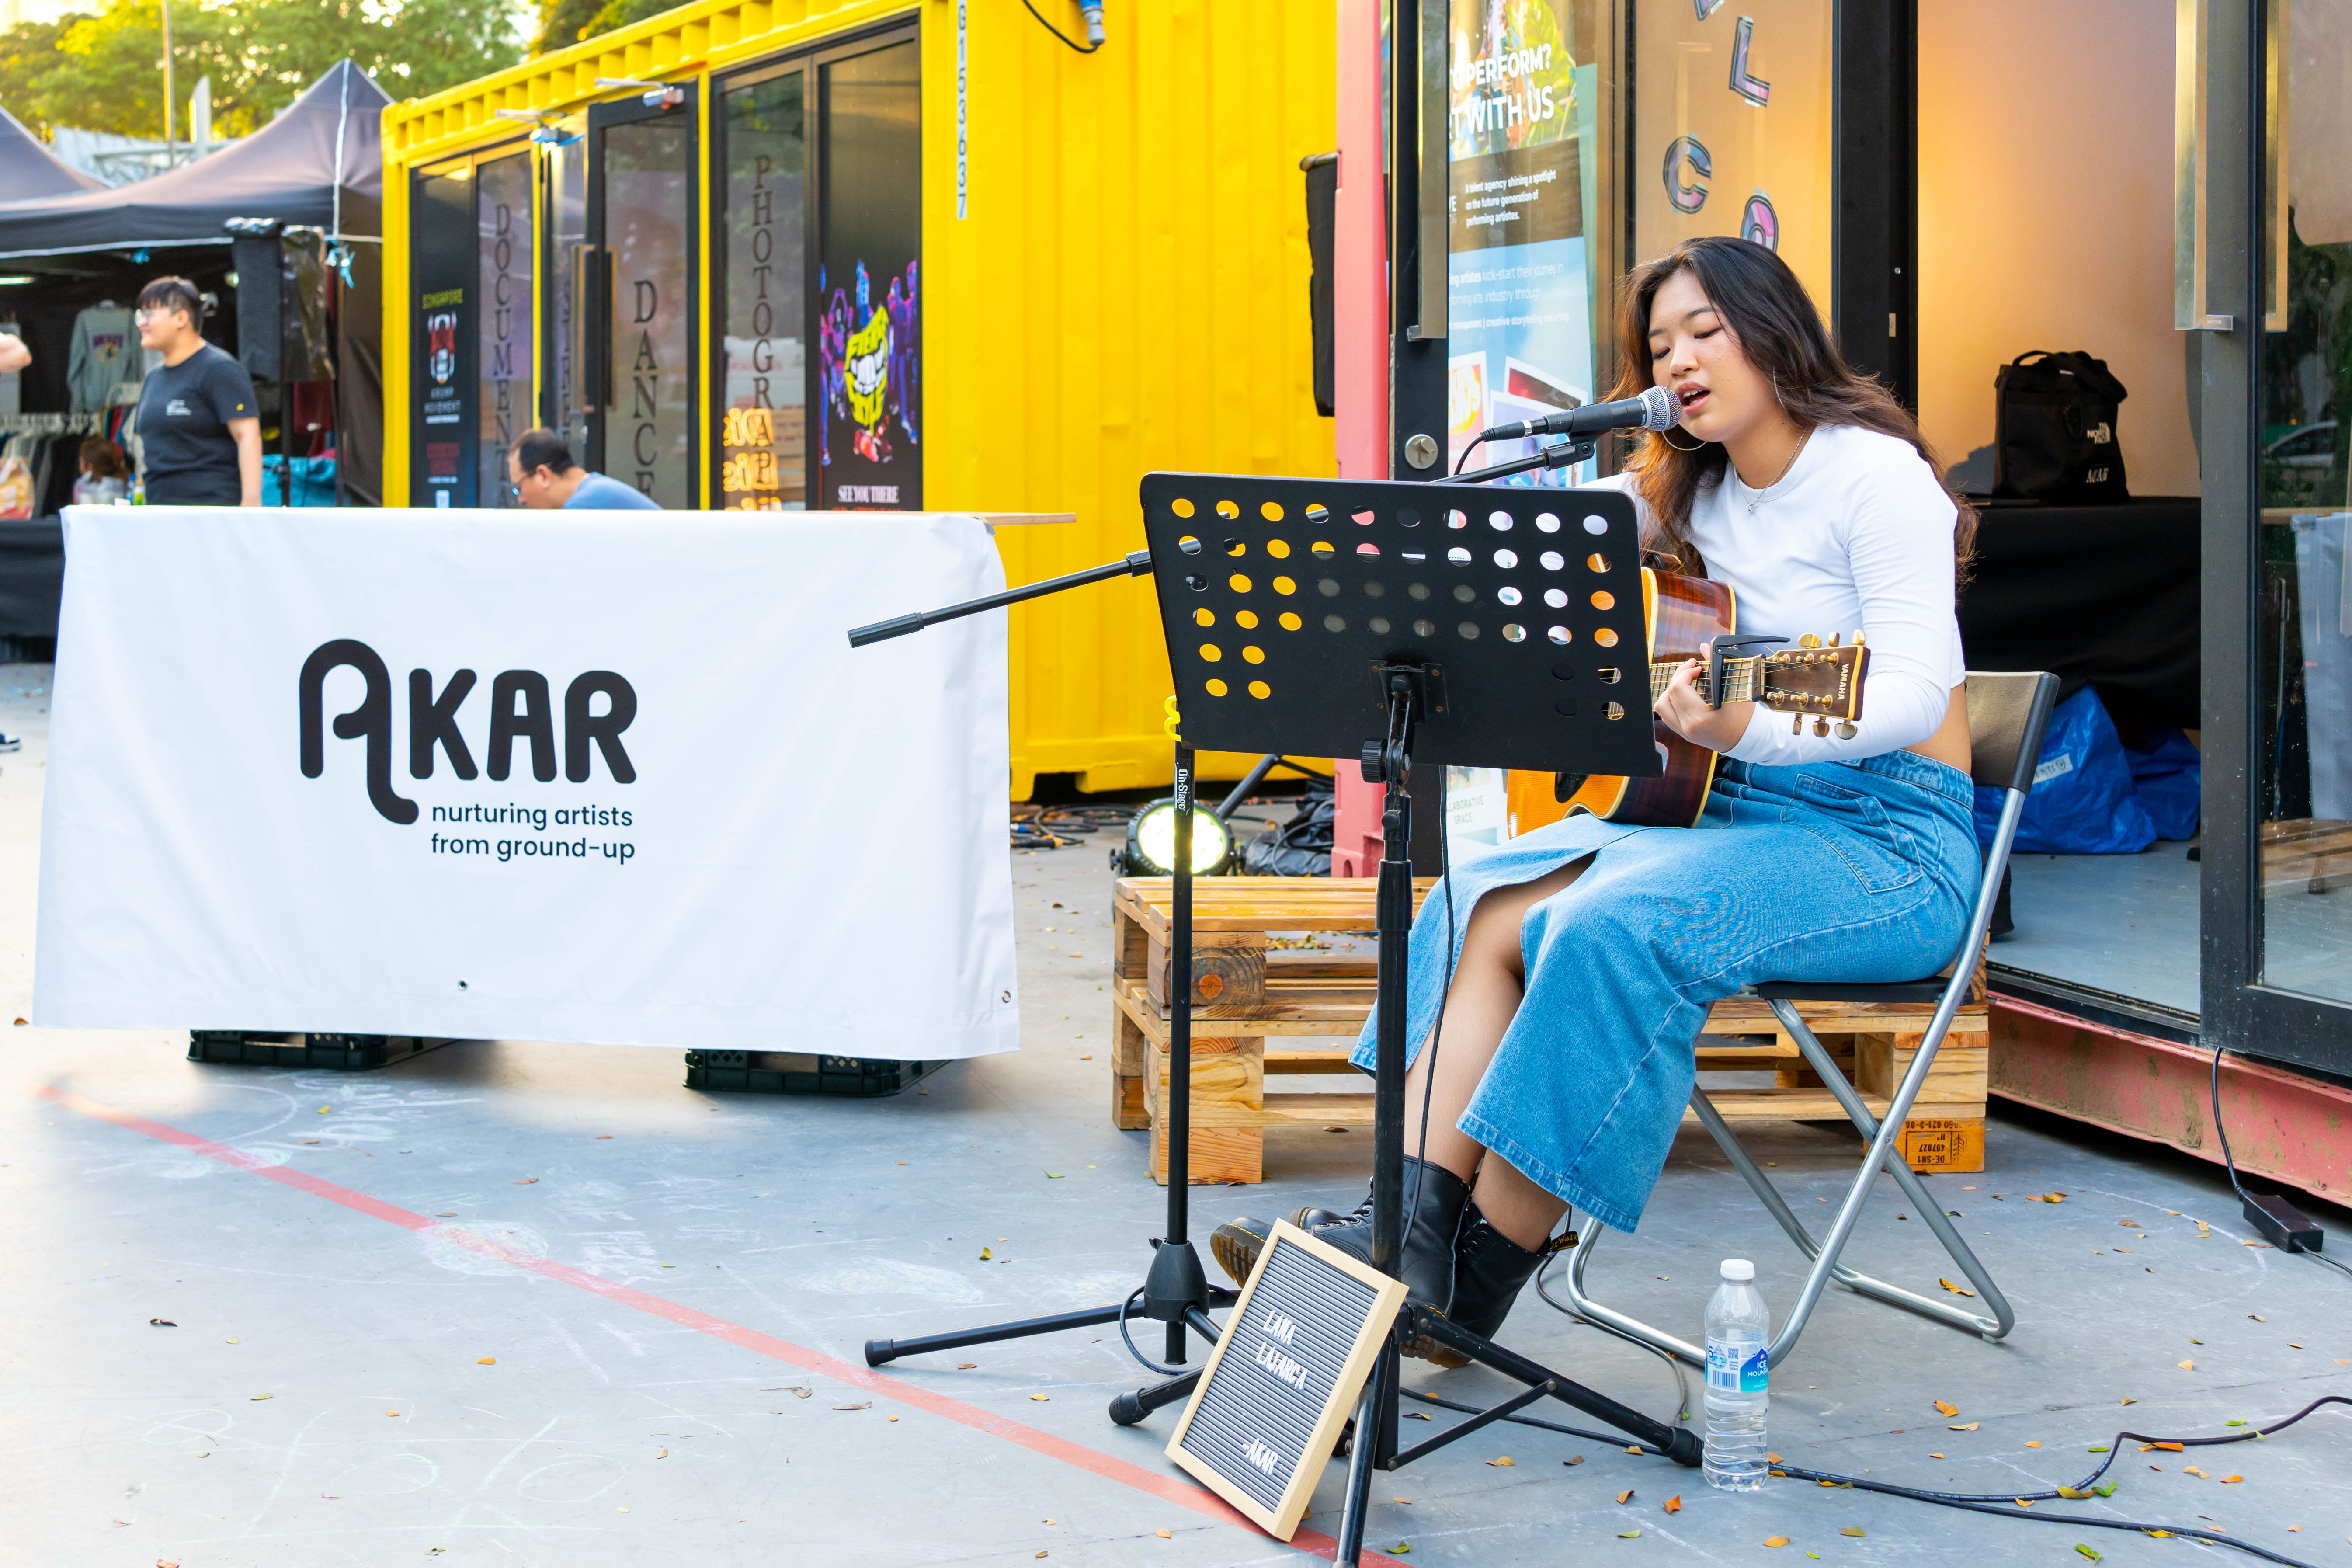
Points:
x=2302 y=657
x=502 y=206
x=1732 y=127
x=442 y=336
x=641 y=426
x=568 y=258
x=868 y=322
x=762 y=438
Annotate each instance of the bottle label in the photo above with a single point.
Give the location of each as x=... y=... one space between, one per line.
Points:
x=1738 y=1365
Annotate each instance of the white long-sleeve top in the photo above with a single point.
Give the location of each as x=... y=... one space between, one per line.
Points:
x=1857 y=534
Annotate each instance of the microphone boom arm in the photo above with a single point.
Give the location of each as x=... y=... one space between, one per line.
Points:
x=1137 y=565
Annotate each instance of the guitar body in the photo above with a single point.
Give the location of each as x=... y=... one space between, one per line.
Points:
x=1684 y=614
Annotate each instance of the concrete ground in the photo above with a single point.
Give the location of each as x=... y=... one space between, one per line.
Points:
x=530 y=1304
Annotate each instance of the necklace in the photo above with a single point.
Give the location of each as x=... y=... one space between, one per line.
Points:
x=1756 y=497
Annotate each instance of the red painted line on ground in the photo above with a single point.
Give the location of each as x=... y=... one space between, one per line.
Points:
x=1167 y=1489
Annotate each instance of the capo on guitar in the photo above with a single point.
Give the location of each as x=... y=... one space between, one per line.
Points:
x=1722 y=648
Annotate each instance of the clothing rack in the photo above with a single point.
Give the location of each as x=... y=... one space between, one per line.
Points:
x=90 y=423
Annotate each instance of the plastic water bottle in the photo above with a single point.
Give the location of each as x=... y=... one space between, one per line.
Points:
x=1738 y=1380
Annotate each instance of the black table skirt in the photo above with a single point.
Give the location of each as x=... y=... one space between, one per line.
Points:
x=32 y=576
x=2100 y=596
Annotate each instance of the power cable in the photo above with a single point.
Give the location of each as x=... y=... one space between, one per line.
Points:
x=2253 y=1207
x=1068 y=42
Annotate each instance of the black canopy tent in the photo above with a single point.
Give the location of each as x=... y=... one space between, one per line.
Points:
x=29 y=170
x=318 y=164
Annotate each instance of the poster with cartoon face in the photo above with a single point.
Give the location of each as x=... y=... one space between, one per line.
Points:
x=869 y=286
x=441 y=343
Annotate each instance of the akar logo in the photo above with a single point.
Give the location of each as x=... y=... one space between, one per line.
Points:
x=521 y=710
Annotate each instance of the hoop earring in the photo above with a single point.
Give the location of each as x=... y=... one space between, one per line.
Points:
x=1776 y=395
x=1667 y=438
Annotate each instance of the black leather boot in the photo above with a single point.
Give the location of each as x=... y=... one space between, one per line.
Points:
x=1490 y=1270
x=1436 y=1198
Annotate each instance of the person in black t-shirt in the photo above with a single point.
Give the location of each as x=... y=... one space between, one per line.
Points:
x=199 y=424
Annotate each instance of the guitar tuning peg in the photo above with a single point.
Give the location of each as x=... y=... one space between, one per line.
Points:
x=1797 y=725
x=1846 y=732
x=1858 y=639
x=1821 y=728
x=1833 y=641
x=1809 y=639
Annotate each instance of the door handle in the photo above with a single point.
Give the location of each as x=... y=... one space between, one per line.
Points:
x=2191 y=162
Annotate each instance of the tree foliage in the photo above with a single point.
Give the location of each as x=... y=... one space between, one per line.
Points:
x=102 y=70
x=562 y=23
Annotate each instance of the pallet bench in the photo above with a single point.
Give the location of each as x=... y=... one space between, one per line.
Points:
x=1263 y=1008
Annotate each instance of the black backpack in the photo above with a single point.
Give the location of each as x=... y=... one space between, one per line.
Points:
x=2055 y=430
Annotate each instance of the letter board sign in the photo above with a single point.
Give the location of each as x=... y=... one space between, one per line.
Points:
x=1283 y=1379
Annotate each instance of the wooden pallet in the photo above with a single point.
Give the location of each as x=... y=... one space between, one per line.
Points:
x=2313 y=855
x=1262 y=1010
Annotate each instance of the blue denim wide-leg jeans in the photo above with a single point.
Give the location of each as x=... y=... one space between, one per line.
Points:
x=1827 y=871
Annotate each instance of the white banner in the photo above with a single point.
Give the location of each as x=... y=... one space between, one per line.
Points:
x=607 y=777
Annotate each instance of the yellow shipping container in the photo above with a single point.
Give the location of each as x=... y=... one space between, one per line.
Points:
x=1114 y=262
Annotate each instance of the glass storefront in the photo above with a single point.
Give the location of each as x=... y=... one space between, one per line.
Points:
x=442 y=336
x=502 y=206
x=762 y=439
x=1731 y=127
x=2304 y=620
x=646 y=190
x=565 y=406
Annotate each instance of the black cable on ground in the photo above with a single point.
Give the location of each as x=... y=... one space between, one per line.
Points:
x=2230 y=1162
x=1124 y=1308
x=1674 y=1362
x=2003 y=1503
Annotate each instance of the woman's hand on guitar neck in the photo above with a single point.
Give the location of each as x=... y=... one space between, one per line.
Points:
x=1686 y=713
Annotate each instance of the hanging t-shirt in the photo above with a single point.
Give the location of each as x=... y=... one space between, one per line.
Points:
x=106 y=354
x=188 y=456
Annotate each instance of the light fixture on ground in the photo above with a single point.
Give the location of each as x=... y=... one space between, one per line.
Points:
x=1151 y=842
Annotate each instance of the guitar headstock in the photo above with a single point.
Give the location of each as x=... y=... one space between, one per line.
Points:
x=1817 y=680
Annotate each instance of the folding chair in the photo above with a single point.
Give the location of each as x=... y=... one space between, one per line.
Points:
x=2007 y=714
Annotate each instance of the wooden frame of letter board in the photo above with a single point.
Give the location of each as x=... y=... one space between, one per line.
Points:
x=1283 y=1522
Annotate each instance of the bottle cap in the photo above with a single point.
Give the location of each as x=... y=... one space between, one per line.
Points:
x=1739 y=1270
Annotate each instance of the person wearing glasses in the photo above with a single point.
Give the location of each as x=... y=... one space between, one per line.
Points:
x=199 y=423
x=541 y=475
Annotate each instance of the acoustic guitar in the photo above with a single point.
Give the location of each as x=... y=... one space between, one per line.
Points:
x=1816 y=680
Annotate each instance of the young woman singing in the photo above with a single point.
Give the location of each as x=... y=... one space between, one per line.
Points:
x=1587 y=953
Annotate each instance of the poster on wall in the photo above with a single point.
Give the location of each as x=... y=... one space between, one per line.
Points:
x=1521 y=142
x=442 y=264
x=869 y=324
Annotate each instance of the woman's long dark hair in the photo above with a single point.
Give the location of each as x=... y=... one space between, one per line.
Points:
x=1781 y=333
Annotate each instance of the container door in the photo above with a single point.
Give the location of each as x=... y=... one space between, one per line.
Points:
x=2263 y=145
x=640 y=373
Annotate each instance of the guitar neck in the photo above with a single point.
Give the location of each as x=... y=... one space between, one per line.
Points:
x=1738 y=678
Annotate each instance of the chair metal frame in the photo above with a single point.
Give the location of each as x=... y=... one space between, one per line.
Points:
x=1882 y=1131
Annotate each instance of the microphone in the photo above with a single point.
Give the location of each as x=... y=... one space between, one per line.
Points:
x=1656 y=409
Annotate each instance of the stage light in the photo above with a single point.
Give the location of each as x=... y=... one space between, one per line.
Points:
x=1151 y=842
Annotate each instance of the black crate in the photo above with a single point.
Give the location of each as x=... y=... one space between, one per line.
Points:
x=793 y=1072
x=276 y=1048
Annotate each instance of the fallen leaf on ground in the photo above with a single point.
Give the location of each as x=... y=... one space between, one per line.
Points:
x=2132 y=1223
x=1674 y=1504
x=1945 y=1408
x=324 y=1109
x=1776 y=1541
x=161 y=1323
x=2227 y=1479
x=1171 y=1535
x=2022 y=1502
x=1970 y=1428
x=663 y=1455
x=445 y=1214
x=1041 y=1398
x=258 y=1398
x=2033 y=1444
x=1632 y=1447
x=867 y=1405
x=2188 y=1366
x=20 y=1020
x=1578 y=1460
x=1851 y=1529
x=1402 y=1546
x=1955 y=1289
x=2086 y=1551
x=486 y=1361
x=1628 y=1535
x=984 y=1255
x=967 y=1366
x=1053 y=1175
x=2167 y=1447
x=391 y=1413
x=1935 y=1455
x=525 y=1181
x=2131 y=1402
x=800 y=1393
x=1506 y=1462
x=2067 y=1491
x=1624 y=1496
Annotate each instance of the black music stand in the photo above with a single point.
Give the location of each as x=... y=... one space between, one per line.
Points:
x=1396 y=623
